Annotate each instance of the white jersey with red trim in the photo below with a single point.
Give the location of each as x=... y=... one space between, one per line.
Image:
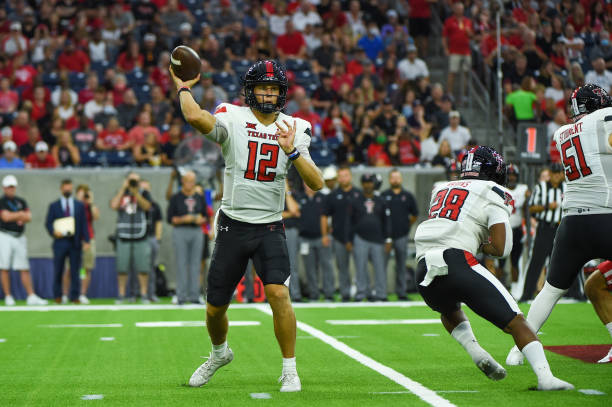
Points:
x=518 y=202
x=255 y=165
x=460 y=215
x=587 y=157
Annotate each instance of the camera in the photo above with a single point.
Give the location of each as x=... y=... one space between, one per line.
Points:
x=133 y=183
x=86 y=196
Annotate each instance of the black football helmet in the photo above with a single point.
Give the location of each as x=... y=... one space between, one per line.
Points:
x=265 y=72
x=587 y=99
x=485 y=163
x=512 y=169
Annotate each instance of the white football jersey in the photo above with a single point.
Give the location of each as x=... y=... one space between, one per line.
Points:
x=518 y=202
x=255 y=165
x=587 y=157
x=460 y=214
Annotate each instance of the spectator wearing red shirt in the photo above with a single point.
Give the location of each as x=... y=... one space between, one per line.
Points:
x=136 y=136
x=40 y=158
x=73 y=59
x=335 y=17
x=113 y=137
x=377 y=154
x=20 y=128
x=337 y=124
x=130 y=59
x=87 y=93
x=305 y=112
x=9 y=100
x=340 y=76
x=40 y=107
x=291 y=44
x=456 y=36
x=23 y=74
x=419 y=21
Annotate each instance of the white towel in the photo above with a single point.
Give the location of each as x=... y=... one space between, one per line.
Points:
x=436 y=266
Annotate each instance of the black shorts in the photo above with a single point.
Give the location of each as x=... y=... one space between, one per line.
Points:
x=419 y=27
x=236 y=243
x=470 y=283
x=579 y=239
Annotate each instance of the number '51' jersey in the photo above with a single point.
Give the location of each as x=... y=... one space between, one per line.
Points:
x=587 y=157
x=255 y=165
x=460 y=215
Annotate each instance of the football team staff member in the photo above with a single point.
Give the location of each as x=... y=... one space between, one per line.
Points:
x=336 y=206
x=187 y=213
x=369 y=237
x=584 y=233
x=404 y=212
x=317 y=257
x=291 y=219
x=259 y=144
x=14 y=214
x=467 y=216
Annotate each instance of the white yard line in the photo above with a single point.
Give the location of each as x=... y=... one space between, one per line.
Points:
x=152 y=307
x=180 y=324
x=382 y=321
x=425 y=394
x=81 y=326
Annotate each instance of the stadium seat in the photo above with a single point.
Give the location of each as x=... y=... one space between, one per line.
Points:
x=200 y=16
x=91 y=159
x=136 y=77
x=117 y=158
x=240 y=66
x=308 y=80
x=228 y=82
x=297 y=65
x=322 y=156
x=50 y=80
x=143 y=93
x=100 y=68
x=76 y=80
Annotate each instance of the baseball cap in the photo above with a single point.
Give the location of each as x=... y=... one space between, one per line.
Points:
x=6 y=132
x=454 y=113
x=330 y=173
x=557 y=167
x=9 y=145
x=9 y=181
x=411 y=48
x=16 y=25
x=185 y=27
x=149 y=37
x=392 y=13
x=41 y=146
x=368 y=178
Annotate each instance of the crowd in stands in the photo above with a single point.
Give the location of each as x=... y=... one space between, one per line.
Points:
x=85 y=83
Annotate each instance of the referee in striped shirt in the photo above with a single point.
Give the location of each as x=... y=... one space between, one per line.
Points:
x=545 y=206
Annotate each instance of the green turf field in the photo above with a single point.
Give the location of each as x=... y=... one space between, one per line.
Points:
x=42 y=365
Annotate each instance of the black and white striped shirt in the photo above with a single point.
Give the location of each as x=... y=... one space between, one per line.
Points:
x=544 y=193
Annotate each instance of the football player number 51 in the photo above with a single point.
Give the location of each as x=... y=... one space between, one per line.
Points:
x=448 y=203
x=573 y=171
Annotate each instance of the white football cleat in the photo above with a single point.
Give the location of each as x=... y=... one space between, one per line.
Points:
x=491 y=368
x=554 y=384
x=83 y=299
x=9 y=300
x=290 y=382
x=64 y=299
x=607 y=358
x=515 y=357
x=34 y=299
x=203 y=373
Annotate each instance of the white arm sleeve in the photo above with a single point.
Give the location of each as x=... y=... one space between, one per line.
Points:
x=218 y=134
x=497 y=215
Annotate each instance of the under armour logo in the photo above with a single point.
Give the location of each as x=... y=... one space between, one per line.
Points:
x=223 y=228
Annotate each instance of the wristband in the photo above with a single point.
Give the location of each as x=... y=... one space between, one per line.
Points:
x=184 y=88
x=293 y=155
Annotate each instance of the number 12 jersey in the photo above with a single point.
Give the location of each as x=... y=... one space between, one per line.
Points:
x=460 y=215
x=587 y=158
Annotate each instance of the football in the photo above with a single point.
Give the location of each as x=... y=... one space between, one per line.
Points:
x=185 y=63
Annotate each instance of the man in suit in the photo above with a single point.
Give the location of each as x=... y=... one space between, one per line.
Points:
x=67 y=244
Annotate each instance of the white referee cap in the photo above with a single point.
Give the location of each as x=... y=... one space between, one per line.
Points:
x=9 y=181
x=330 y=173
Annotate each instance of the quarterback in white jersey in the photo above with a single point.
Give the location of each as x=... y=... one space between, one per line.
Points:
x=466 y=216
x=584 y=233
x=259 y=143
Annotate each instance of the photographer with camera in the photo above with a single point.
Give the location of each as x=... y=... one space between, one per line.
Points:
x=133 y=249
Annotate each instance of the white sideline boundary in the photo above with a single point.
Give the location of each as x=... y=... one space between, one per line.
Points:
x=166 y=307
x=425 y=394
x=382 y=321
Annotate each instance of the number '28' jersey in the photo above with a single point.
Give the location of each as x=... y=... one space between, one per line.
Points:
x=587 y=158
x=255 y=165
x=460 y=215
